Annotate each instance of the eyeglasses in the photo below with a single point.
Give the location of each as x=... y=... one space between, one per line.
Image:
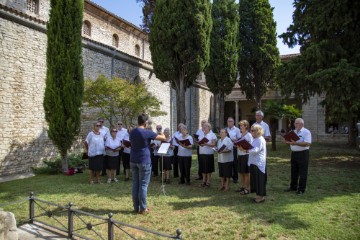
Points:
x=113 y=131
x=120 y=124
x=97 y=125
x=252 y=130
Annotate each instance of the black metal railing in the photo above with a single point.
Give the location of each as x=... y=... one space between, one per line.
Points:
x=69 y=228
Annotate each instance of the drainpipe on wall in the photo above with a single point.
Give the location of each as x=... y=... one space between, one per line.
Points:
x=171 y=110
x=143 y=49
x=190 y=103
x=113 y=63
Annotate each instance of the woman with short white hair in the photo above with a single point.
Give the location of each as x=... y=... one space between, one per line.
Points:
x=257 y=163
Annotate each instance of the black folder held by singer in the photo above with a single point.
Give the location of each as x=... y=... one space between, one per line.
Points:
x=185 y=142
x=291 y=136
x=244 y=144
x=202 y=141
x=221 y=149
x=127 y=143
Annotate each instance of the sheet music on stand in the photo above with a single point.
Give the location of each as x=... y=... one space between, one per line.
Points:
x=163 y=151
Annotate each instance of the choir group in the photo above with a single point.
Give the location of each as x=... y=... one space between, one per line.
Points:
x=240 y=151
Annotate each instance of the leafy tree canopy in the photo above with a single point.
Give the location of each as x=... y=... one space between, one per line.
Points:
x=328 y=33
x=222 y=71
x=119 y=99
x=179 y=43
x=258 y=54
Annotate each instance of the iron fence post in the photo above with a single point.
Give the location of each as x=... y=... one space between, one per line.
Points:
x=178 y=233
x=110 y=227
x=31 y=207
x=70 y=221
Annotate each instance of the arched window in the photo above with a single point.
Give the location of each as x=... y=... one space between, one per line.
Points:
x=87 y=28
x=137 y=50
x=115 y=41
x=32 y=6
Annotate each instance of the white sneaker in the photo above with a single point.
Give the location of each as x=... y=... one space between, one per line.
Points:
x=115 y=180
x=109 y=180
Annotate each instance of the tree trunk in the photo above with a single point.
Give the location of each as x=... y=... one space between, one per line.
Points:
x=180 y=100
x=221 y=110
x=273 y=125
x=352 y=131
x=64 y=161
x=258 y=102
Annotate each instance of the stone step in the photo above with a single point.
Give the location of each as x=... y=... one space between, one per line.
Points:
x=37 y=232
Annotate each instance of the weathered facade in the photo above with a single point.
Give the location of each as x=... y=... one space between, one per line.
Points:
x=111 y=46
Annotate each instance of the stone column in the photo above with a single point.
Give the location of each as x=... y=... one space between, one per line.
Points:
x=236 y=112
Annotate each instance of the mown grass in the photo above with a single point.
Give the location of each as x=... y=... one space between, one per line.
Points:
x=329 y=209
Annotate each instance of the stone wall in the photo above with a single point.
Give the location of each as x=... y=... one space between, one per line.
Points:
x=314 y=118
x=24 y=141
x=21 y=5
x=103 y=31
x=22 y=83
x=197 y=107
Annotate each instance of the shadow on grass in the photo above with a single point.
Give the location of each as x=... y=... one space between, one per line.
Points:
x=333 y=174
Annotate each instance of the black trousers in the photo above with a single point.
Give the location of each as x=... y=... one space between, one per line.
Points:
x=118 y=169
x=199 y=170
x=299 y=170
x=235 y=170
x=154 y=163
x=175 y=162
x=258 y=181
x=184 y=165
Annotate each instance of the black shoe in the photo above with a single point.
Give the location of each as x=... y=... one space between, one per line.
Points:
x=188 y=183
x=181 y=182
x=199 y=178
x=127 y=179
x=299 y=192
x=289 y=190
x=235 y=181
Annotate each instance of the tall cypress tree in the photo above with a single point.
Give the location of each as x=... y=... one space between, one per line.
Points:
x=179 y=43
x=222 y=70
x=258 y=55
x=64 y=76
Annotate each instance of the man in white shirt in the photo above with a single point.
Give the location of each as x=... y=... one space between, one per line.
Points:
x=105 y=133
x=259 y=115
x=176 y=148
x=299 y=158
x=121 y=133
x=234 y=134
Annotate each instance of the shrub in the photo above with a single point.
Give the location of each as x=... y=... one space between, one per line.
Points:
x=53 y=166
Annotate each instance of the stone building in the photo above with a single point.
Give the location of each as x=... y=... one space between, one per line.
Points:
x=112 y=47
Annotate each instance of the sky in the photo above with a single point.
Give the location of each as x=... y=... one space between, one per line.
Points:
x=131 y=11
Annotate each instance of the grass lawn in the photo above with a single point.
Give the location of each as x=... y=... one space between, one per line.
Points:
x=330 y=208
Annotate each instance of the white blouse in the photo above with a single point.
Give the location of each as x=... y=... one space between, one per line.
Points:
x=126 y=137
x=96 y=144
x=206 y=149
x=176 y=135
x=224 y=157
x=257 y=155
x=248 y=137
x=185 y=152
x=112 y=143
